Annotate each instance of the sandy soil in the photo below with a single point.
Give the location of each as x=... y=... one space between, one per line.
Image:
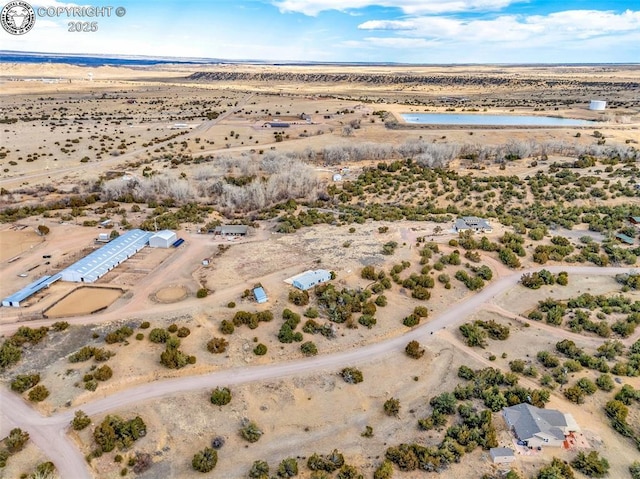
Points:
x=13 y=243
x=83 y=300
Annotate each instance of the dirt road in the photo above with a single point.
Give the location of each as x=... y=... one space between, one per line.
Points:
x=49 y=433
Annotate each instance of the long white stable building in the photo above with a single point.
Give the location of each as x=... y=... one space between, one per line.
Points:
x=103 y=260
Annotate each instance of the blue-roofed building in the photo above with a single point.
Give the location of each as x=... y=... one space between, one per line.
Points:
x=309 y=279
x=103 y=260
x=260 y=295
x=16 y=298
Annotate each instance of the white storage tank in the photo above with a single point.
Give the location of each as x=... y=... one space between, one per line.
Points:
x=597 y=105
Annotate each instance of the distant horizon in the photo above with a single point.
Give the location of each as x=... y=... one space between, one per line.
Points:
x=411 y=32
x=159 y=59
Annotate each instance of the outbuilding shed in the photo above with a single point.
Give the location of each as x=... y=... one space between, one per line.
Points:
x=502 y=455
x=163 y=239
x=260 y=295
x=309 y=279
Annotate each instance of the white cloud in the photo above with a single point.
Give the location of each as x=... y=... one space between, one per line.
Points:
x=409 y=7
x=567 y=26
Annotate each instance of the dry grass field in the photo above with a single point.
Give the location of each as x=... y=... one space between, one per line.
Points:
x=117 y=148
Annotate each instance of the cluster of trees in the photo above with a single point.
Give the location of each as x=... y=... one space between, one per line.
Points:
x=119 y=335
x=23 y=382
x=496 y=389
x=87 y=352
x=476 y=332
x=115 y=432
x=339 y=306
x=558 y=250
x=474 y=430
x=543 y=278
x=617 y=411
x=252 y=320
x=553 y=311
x=172 y=357
x=287 y=333
x=11 y=349
x=414 y=318
x=13 y=443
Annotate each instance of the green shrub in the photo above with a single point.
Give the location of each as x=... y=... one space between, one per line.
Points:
x=352 y=375
x=221 y=396
x=158 y=335
x=217 y=345
x=251 y=432
x=309 y=348
x=205 y=460
x=103 y=373
x=414 y=350
x=202 y=293
x=38 y=393
x=260 y=350
x=80 y=421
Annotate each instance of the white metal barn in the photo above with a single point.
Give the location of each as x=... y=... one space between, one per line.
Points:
x=597 y=105
x=103 y=260
x=163 y=239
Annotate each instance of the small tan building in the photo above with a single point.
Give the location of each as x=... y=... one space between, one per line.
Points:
x=502 y=455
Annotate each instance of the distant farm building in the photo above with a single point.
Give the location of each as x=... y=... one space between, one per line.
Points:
x=472 y=223
x=597 y=105
x=103 y=260
x=231 y=230
x=634 y=219
x=163 y=239
x=502 y=455
x=103 y=238
x=624 y=238
x=539 y=427
x=260 y=295
x=178 y=126
x=310 y=279
x=337 y=177
x=276 y=124
x=16 y=298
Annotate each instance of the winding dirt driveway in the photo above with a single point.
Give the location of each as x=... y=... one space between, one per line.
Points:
x=49 y=433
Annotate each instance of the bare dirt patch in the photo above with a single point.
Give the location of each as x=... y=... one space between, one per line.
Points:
x=83 y=300
x=14 y=242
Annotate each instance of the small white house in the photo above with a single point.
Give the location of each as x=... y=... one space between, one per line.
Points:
x=163 y=239
x=337 y=177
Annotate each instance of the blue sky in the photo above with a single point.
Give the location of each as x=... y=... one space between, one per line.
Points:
x=412 y=31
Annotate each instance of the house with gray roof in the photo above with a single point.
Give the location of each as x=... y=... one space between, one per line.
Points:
x=539 y=427
x=472 y=223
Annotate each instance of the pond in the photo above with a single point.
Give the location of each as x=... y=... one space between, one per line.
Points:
x=492 y=120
